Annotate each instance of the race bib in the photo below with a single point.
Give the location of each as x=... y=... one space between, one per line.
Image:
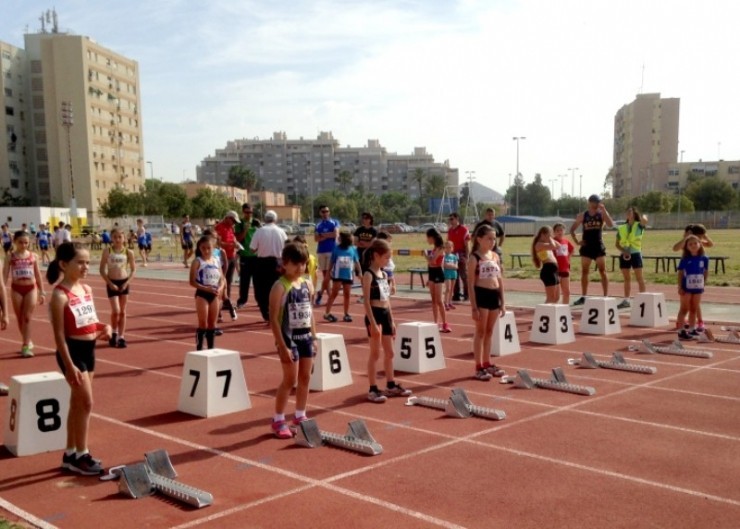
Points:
x=489 y=270
x=562 y=250
x=299 y=315
x=344 y=262
x=384 y=290
x=84 y=312
x=695 y=281
x=23 y=272
x=211 y=277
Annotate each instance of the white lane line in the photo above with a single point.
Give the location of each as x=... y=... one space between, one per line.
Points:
x=25 y=515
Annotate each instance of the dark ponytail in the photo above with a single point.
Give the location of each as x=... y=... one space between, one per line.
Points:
x=65 y=253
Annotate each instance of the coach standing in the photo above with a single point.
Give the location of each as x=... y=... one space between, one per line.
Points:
x=489 y=219
x=459 y=236
x=244 y=231
x=267 y=243
x=325 y=234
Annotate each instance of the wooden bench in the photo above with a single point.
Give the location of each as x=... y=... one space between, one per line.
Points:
x=421 y=272
x=518 y=257
x=675 y=259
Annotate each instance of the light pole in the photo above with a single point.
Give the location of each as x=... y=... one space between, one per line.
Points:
x=151 y=168
x=552 y=185
x=67 y=122
x=573 y=180
x=580 y=186
x=562 y=184
x=516 y=179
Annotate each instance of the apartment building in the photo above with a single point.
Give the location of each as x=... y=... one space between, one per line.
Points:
x=14 y=173
x=308 y=167
x=98 y=147
x=645 y=136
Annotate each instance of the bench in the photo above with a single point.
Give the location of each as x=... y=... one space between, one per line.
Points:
x=518 y=257
x=421 y=272
x=675 y=259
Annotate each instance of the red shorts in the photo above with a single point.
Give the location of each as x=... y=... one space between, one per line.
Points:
x=23 y=288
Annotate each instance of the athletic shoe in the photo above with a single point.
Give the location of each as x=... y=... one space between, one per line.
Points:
x=318 y=299
x=451 y=307
x=684 y=335
x=347 y=318
x=397 y=391
x=113 y=339
x=482 y=374
x=217 y=331
x=68 y=460
x=361 y=299
x=376 y=396
x=281 y=430
x=121 y=343
x=625 y=304
x=26 y=352
x=694 y=334
x=298 y=420
x=494 y=370
x=457 y=297
x=330 y=318
x=85 y=465
x=445 y=327
x=579 y=301
x=232 y=313
x=699 y=328
x=220 y=318
x=240 y=306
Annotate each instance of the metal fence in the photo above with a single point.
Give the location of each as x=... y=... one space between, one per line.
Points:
x=712 y=220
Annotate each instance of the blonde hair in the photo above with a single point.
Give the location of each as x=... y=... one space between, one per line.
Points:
x=535 y=258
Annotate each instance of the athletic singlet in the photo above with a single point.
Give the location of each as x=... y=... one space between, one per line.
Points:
x=22 y=267
x=295 y=309
x=208 y=273
x=187 y=233
x=437 y=262
x=546 y=256
x=80 y=317
x=486 y=268
x=592 y=225
x=380 y=290
x=5 y=236
x=141 y=237
x=117 y=260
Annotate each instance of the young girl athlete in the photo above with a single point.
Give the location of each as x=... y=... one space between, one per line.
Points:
x=435 y=258
x=294 y=330
x=76 y=327
x=486 y=288
x=451 y=262
x=117 y=268
x=562 y=255
x=376 y=295
x=543 y=256
x=692 y=275
x=208 y=280
x=22 y=268
x=345 y=264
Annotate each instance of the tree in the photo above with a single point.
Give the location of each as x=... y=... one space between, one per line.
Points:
x=687 y=206
x=436 y=186
x=118 y=204
x=655 y=202
x=208 y=204
x=9 y=200
x=419 y=177
x=237 y=177
x=344 y=178
x=709 y=194
x=535 y=198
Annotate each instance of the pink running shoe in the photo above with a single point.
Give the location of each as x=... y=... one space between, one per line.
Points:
x=445 y=328
x=281 y=430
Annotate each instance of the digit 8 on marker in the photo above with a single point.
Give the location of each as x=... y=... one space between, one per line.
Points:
x=13 y=410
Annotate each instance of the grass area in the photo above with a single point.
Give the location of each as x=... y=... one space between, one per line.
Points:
x=726 y=243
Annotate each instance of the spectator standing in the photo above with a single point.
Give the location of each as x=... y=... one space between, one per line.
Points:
x=591 y=244
x=629 y=244
x=459 y=235
x=227 y=241
x=489 y=219
x=325 y=234
x=364 y=236
x=267 y=243
x=244 y=231
x=187 y=240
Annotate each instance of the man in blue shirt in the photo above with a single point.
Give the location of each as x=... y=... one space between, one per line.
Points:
x=326 y=235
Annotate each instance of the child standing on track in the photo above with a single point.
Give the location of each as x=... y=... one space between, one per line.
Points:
x=344 y=262
x=390 y=268
x=206 y=276
x=294 y=330
x=43 y=240
x=562 y=255
x=692 y=275
x=543 y=256
x=141 y=241
x=379 y=321
x=450 y=265
x=21 y=271
x=76 y=327
x=701 y=232
x=435 y=258
x=117 y=268
x=486 y=287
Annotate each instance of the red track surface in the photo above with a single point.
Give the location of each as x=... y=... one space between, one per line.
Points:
x=660 y=450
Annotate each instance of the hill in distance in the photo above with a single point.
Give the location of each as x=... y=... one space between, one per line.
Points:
x=485 y=194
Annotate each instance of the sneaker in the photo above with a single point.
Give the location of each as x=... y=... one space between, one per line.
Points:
x=220 y=318
x=113 y=339
x=330 y=318
x=232 y=313
x=298 y=420
x=121 y=343
x=495 y=371
x=397 y=391
x=684 y=335
x=240 y=306
x=85 y=465
x=699 y=328
x=67 y=461
x=694 y=334
x=625 y=304
x=347 y=318
x=361 y=299
x=26 y=352
x=452 y=307
x=579 y=301
x=318 y=299
x=376 y=396
x=281 y=430
x=217 y=331
x=456 y=297
x=482 y=374
x=445 y=327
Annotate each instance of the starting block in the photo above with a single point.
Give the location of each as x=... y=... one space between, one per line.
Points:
x=558 y=382
x=458 y=405
x=144 y=479
x=708 y=336
x=600 y=316
x=213 y=384
x=418 y=348
x=505 y=336
x=649 y=310
x=675 y=349
x=331 y=365
x=358 y=437
x=38 y=406
x=617 y=362
x=552 y=324
x=4 y=389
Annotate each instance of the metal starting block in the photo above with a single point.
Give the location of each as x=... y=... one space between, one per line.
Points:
x=676 y=349
x=458 y=405
x=730 y=328
x=733 y=337
x=617 y=362
x=155 y=475
x=558 y=382
x=358 y=438
x=4 y=389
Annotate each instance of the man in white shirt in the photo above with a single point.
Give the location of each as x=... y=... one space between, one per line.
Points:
x=267 y=242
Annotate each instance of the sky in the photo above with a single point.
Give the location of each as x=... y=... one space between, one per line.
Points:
x=459 y=77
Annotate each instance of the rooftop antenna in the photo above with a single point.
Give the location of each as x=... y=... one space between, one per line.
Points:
x=41 y=18
x=642 y=78
x=55 y=21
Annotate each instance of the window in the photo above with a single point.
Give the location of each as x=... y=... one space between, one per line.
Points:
x=15 y=184
x=9 y=111
x=35 y=66
x=9 y=92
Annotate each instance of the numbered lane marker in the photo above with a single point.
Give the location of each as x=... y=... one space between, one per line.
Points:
x=649 y=310
x=418 y=348
x=331 y=367
x=213 y=384
x=600 y=316
x=36 y=422
x=552 y=324
x=505 y=336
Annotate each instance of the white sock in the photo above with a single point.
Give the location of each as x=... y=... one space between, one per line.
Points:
x=278 y=417
x=300 y=413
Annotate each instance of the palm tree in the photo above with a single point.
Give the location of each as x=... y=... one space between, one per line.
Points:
x=419 y=177
x=344 y=178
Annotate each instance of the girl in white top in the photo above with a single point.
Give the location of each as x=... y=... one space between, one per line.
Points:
x=117 y=268
x=207 y=277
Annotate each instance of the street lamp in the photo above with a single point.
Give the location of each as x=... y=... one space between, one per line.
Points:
x=552 y=184
x=516 y=180
x=67 y=122
x=562 y=184
x=573 y=180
